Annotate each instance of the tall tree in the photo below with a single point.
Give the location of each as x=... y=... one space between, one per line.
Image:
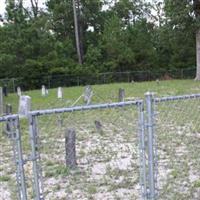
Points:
x=196 y=6
x=76 y=6
x=181 y=29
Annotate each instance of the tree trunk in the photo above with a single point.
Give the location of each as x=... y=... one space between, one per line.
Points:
x=198 y=55
x=76 y=29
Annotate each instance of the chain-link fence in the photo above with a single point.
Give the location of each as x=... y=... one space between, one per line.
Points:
x=176 y=147
x=106 y=165
x=123 y=150
x=66 y=80
x=53 y=81
x=12 y=177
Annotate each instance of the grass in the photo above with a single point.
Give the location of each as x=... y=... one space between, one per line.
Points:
x=197 y=184
x=4 y=178
x=100 y=156
x=107 y=93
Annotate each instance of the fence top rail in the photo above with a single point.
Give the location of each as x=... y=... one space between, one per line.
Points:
x=8 y=117
x=87 y=107
x=175 y=98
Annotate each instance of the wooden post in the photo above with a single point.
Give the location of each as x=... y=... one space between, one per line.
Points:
x=5 y=90
x=121 y=95
x=70 y=148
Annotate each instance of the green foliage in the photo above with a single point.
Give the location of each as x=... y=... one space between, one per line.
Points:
x=4 y=178
x=58 y=170
x=120 y=38
x=197 y=184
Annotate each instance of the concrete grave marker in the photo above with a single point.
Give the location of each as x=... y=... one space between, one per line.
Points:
x=24 y=106
x=19 y=92
x=60 y=93
x=1 y=101
x=121 y=96
x=88 y=93
x=43 y=91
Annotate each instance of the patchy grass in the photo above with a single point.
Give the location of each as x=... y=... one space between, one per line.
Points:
x=107 y=162
x=4 y=178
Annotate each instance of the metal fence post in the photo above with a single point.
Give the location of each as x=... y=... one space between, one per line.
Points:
x=35 y=156
x=18 y=157
x=142 y=152
x=150 y=144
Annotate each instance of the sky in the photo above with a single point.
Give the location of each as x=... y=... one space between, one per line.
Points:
x=27 y=3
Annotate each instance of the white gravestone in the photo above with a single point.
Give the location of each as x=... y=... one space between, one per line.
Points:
x=1 y=101
x=88 y=95
x=60 y=93
x=24 y=106
x=43 y=91
x=19 y=92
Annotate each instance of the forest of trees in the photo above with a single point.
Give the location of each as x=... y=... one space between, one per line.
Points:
x=114 y=36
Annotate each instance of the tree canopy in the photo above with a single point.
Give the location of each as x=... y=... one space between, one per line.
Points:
x=123 y=35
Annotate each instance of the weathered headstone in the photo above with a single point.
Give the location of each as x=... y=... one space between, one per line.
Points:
x=1 y=101
x=8 y=124
x=43 y=90
x=121 y=96
x=88 y=93
x=60 y=93
x=157 y=81
x=70 y=148
x=19 y=92
x=47 y=91
x=60 y=121
x=24 y=106
x=98 y=126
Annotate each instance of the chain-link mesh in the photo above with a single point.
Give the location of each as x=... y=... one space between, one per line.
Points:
x=12 y=178
x=106 y=154
x=7 y=167
x=177 y=139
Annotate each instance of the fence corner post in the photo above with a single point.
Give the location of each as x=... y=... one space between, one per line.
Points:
x=142 y=152
x=150 y=143
x=35 y=157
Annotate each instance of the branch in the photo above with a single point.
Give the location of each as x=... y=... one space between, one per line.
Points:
x=34 y=5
